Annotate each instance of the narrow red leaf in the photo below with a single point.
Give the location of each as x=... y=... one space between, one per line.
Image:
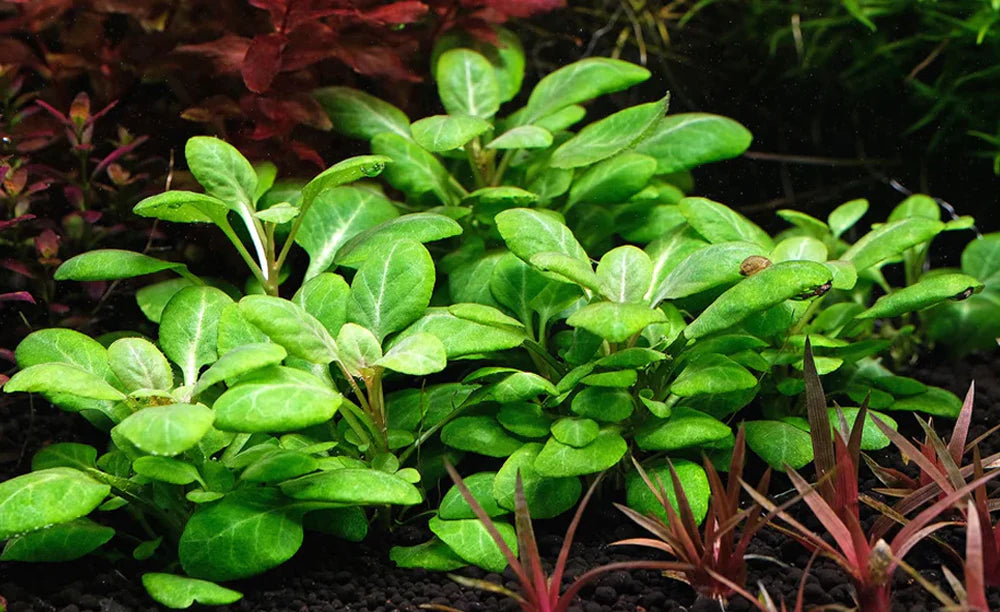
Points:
x=263 y=61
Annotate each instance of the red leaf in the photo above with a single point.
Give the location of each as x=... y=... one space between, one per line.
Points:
x=517 y=8
x=17 y=296
x=306 y=153
x=365 y=58
x=225 y=53
x=7 y=355
x=17 y=267
x=12 y=222
x=263 y=61
x=407 y=11
x=47 y=244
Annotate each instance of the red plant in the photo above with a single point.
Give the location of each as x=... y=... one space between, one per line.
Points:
x=540 y=592
x=710 y=560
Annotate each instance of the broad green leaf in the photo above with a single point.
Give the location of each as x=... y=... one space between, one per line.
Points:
x=352 y=486
x=247 y=532
x=59 y=542
x=624 y=274
x=562 y=119
x=560 y=460
x=239 y=361
x=684 y=141
x=63 y=346
x=808 y=224
x=183 y=207
x=138 y=364
x=551 y=183
x=522 y=137
x=182 y=592
x=968 y=325
x=566 y=268
x=693 y=480
x=359 y=115
x=615 y=322
x=113 y=264
x=514 y=284
x=266 y=173
x=528 y=231
x=358 y=347
x=711 y=373
x=765 y=289
x=479 y=434
x=393 y=289
x=167 y=430
x=489 y=200
x=279 y=465
x=447 y=132
x=667 y=252
x=347 y=171
x=152 y=299
x=519 y=386
x=419 y=354
x=620 y=379
x=420 y=227
x=719 y=223
x=485 y=315
x=61 y=378
x=846 y=215
x=166 y=469
x=46 y=497
x=64 y=454
x=413 y=170
x=779 y=443
x=923 y=294
x=275 y=399
x=506 y=56
x=453 y=506
x=579 y=82
x=872 y=437
x=324 y=296
x=280 y=213
x=575 y=431
x=934 y=401
x=525 y=419
x=235 y=331
x=981 y=259
x=546 y=497
x=189 y=328
x=799 y=248
x=609 y=136
x=432 y=555
x=289 y=325
x=462 y=336
x=413 y=409
x=712 y=266
x=916 y=205
x=336 y=216
x=222 y=171
x=603 y=404
x=685 y=428
x=469 y=540
x=613 y=180
x=467 y=84
x=890 y=240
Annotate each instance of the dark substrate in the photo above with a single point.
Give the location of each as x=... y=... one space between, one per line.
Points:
x=329 y=574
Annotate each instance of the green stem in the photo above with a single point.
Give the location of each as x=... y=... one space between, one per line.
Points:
x=807 y=315
x=227 y=229
x=505 y=160
x=292 y=233
x=538 y=350
x=477 y=163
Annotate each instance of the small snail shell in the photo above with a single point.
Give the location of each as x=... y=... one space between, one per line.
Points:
x=754 y=264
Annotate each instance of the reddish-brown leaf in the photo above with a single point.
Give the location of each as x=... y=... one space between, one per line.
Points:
x=226 y=53
x=263 y=61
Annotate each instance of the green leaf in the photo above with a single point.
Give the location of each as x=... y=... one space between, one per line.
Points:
x=757 y=293
x=462 y=336
x=239 y=361
x=519 y=386
x=60 y=378
x=189 y=328
x=684 y=141
x=113 y=264
x=359 y=115
x=712 y=266
x=47 y=497
x=138 y=364
x=275 y=399
x=64 y=454
x=562 y=119
x=63 y=346
x=559 y=460
x=524 y=419
x=279 y=465
x=167 y=430
x=609 y=136
x=667 y=252
x=624 y=274
x=433 y=555
x=522 y=137
x=846 y=215
x=564 y=267
x=392 y=290
x=615 y=322
x=419 y=354
x=925 y=293
x=413 y=170
x=287 y=324
x=890 y=240
x=719 y=223
x=620 y=379
x=693 y=480
x=981 y=259
x=182 y=592
x=872 y=437
x=413 y=409
x=183 y=207
x=359 y=348
x=347 y=171
x=613 y=180
x=546 y=497
x=153 y=298
x=799 y=248
x=579 y=82
x=447 y=132
x=420 y=227
x=59 y=542
x=808 y=224
x=916 y=205
x=247 y=532
x=280 y=213
x=467 y=84
x=575 y=432
x=324 y=296
x=479 y=434
x=685 y=428
x=779 y=443
x=711 y=373
x=454 y=507
x=934 y=401
x=469 y=540
x=528 y=231
x=352 y=486
x=485 y=315
x=222 y=171
x=166 y=469
x=603 y=404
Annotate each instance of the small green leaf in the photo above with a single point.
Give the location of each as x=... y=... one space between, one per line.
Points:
x=59 y=542
x=479 y=434
x=925 y=293
x=60 y=378
x=613 y=180
x=166 y=469
x=280 y=213
x=710 y=373
x=467 y=84
x=684 y=141
x=353 y=486
x=559 y=460
x=287 y=324
x=693 y=480
x=779 y=443
x=138 y=364
x=506 y=55
x=624 y=274
x=421 y=227
x=528 y=231
x=579 y=82
x=668 y=251
x=447 y=132
x=799 y=248
x=807 y=223
x=603 y=404
x=712 y=266
x=563 y=267
x=890 y=240
x=618 y=379
x=47 y=497
x=981 y=259
x=433 y=555
x=359 y=348
x=719 y=223
x=183 y=207
x=546 y=497
x=279 y=465
x=359 y=115
x=609 y=136
x=934 y=401
x=167 y=430
x=615 y=322
x=462 y=336
x=419 y=354
x=562 y=119
x=413 y=170
x=182 y=592
x=240 y=361
x=392 y=290
x=522 y=137
x=324 y=296
x=347 y=171
x=846 y=215
x=222 y=170
x=275 y=399
x=685 y=428
x=469 y=540
x=65 y=454
x=575 y=432
x=454 y=507
x=524 y=419
x=485 y=315
x=113 y=264
x=189 y=328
